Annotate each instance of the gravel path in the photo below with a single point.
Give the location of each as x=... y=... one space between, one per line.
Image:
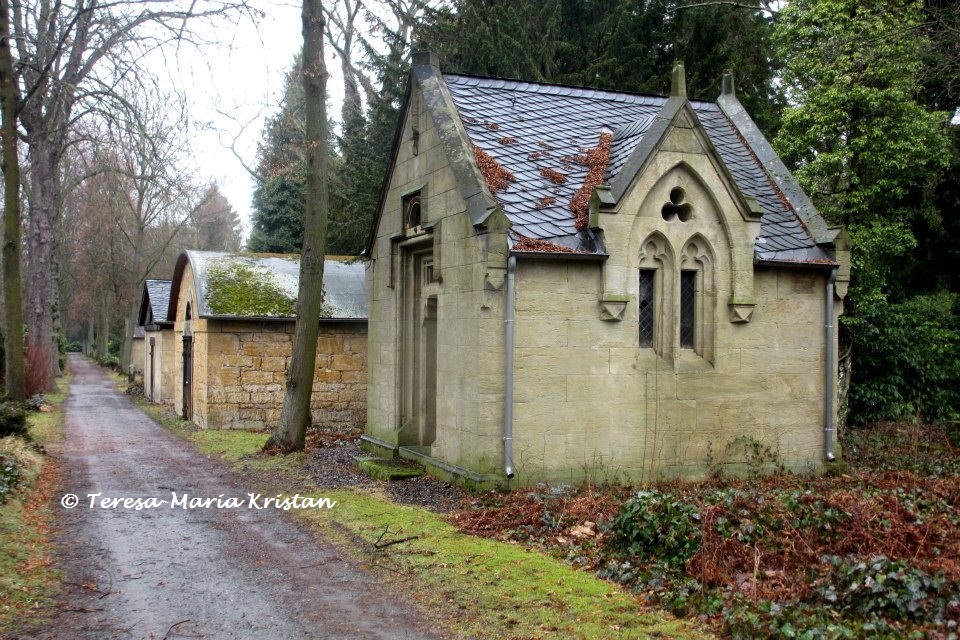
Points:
x=200 y=573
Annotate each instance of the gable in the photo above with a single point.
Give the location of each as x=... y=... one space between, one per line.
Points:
x=427 y=104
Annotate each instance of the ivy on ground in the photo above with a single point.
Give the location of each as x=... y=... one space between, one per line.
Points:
x=873 y=551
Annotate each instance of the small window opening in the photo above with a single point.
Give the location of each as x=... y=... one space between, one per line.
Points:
x=411 y=212
x=688 y=309
x=187 y=316
x=678 y=208
x=647 y=305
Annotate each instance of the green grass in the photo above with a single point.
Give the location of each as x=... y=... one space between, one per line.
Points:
x=28 y=580
x=229 y=445
x=475 y=587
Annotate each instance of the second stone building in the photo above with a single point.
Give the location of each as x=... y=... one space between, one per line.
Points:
x=233 y=329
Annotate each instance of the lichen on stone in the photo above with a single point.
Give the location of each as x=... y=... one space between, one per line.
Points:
x=240 y=288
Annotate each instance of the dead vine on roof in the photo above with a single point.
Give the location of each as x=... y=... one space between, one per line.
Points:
x=544 y=202
x=553 y=176
x=496 y=177
x=595 y=160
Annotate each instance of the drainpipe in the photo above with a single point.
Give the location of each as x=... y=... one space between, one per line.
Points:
x=829 y=371
x=508 y=396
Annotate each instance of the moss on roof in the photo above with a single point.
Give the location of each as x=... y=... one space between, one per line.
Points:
x=236 y=288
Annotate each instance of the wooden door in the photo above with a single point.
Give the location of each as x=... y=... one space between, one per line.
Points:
x=419 y=351
x=153 y=378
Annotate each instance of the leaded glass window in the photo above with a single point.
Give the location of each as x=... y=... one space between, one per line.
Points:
x=688 y=308
x=647 y=305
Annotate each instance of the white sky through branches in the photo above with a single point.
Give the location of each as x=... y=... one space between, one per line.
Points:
x=232 y=85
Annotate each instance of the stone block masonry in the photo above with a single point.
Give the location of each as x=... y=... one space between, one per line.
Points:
x=246 y=374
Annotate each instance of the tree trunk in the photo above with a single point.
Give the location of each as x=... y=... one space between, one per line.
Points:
x=133 y=307
x=57 y=320
x=295 y=416
x=88 y=346
x=15 y=369
x=41 y=341
x=103 y=337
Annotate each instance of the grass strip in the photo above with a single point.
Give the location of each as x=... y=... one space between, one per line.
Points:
x=28 y=579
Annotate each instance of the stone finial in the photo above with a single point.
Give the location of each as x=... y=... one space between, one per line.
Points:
x=678 y=83
x=729 y=88
x=425 y=58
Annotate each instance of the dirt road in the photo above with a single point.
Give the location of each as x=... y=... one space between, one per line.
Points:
x=198 y=573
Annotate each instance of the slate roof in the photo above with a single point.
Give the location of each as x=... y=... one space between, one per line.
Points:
x=158 y=297
x=343 y=282
x=527 y=127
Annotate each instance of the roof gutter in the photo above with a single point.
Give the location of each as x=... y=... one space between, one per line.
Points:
x=508 y=382
x=232 y=318
x=828 y=428
x=568 y=256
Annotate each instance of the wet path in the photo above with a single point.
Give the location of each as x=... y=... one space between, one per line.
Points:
x=201 y=573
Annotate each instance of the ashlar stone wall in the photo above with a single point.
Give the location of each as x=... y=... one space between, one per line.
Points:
x=590 y=404
x=246 y=370
x=239 y=369
x=470 y=267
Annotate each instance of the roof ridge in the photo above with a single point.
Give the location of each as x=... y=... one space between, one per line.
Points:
x=583 y=91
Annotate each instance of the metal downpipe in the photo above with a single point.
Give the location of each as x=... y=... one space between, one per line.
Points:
x=828 y=429
x=508 y=381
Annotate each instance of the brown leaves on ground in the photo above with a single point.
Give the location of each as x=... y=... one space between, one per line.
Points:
x=540 y=515
x=768 y=537
x=36 y=518
x=320 y=438
x=864 y=516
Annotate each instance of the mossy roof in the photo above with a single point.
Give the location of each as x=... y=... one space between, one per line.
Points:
x=257 y=285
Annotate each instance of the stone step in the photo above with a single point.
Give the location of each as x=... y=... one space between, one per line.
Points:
x=388 y=469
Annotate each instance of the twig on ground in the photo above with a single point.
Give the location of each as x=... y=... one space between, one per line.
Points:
x=379 y=544
x=174 y=626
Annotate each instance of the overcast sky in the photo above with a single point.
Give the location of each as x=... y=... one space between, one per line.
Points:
x=233 y=86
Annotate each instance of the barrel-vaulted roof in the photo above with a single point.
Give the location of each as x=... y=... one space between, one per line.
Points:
x=265 y=286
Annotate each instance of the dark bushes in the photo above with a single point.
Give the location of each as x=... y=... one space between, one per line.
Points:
x=906 y=359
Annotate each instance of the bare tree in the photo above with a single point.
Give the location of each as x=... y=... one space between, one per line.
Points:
x=358 y=31
x=295 y=416
x=63 y=50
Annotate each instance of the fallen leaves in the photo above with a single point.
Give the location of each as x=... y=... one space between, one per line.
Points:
x=595 y=160
x=494 y=174
x=544 y=246
x=553 y=176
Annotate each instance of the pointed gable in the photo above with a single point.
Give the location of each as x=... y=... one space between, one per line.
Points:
x=155 y=302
